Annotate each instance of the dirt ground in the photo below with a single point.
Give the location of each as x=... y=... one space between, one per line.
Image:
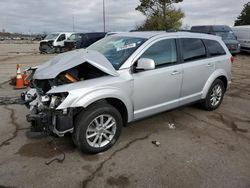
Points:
x=206 y=149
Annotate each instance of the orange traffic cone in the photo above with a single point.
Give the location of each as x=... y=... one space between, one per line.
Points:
x=19 y=78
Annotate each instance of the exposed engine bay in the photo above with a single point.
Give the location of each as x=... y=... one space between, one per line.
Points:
x=44 y=115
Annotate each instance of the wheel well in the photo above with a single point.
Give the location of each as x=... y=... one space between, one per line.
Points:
x=120 y=106
x=224 y=80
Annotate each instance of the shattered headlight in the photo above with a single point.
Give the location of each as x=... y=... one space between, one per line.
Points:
x=55 y=99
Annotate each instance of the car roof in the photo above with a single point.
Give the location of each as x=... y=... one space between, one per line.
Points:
x=158 y=34
x=242 y=26
x=211 y=28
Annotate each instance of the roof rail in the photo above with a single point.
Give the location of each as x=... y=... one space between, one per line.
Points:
x=178 y=30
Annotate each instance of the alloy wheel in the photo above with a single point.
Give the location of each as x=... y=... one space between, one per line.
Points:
x=216 y=95
x=101 y=131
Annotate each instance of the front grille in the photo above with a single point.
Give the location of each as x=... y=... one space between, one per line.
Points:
x=232 y=47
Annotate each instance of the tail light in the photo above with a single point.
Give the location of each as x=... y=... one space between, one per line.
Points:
x=232 y=59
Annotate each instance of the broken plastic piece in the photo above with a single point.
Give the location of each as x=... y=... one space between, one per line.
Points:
x=171 y=126
x=156 y=143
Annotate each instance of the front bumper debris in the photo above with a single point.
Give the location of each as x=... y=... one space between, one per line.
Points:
x=40 y=122
x=44 y=119
x=57 y=122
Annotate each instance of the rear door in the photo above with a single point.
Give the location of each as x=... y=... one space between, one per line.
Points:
x=197 y=68
x=159 y=89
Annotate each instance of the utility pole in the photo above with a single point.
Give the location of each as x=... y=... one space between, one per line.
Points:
x=73 y=24
x=104 y=18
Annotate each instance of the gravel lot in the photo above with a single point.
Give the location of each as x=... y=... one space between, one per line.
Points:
x=206 y=149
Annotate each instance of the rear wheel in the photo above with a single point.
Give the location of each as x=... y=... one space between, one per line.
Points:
x=97 y=128
x=214 y=96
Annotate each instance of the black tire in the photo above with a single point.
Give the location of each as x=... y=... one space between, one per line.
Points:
x=207 y=103
x=84 y=120
x=58 y=49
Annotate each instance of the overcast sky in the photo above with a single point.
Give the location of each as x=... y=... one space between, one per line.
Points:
x=34 y=16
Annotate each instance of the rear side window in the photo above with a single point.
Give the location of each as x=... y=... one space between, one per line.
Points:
x=193 y=49
x=162 y=52
x=214 y=48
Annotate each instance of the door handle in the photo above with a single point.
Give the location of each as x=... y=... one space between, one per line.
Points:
x=209 y=65
x=175 y=72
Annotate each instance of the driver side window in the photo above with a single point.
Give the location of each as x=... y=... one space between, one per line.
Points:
x=162 y=52
x=61 y=38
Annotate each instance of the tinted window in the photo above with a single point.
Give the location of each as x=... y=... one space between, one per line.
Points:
x=193 y=49
x=226 y=35
x=214 y=48
x=74 y=37
x=201 y=29
x=163 y=52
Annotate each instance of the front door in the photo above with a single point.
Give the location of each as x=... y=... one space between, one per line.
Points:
x=159 y=89
x=60 y=40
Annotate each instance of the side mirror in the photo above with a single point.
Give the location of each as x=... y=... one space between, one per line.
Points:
x=145 y=64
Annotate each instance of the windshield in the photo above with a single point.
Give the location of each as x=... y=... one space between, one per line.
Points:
x=51 y=36
x=73 y=37
x=226 y=35
x=117 y=48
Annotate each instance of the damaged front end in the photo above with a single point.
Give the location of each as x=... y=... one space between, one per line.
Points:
x=44 y=115
x=46 y=46
x=69 y=68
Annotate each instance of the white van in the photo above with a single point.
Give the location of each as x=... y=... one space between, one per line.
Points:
x=53 y=42
x=243 y=36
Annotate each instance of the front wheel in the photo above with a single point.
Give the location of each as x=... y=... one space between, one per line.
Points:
x=214 y=96
x=97 y=128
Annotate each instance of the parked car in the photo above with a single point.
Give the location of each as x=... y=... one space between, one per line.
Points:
x=224 y=32
x=82 y=40
x=94 y=92
x=243 y=35
x=113 y=33
x=53 y=42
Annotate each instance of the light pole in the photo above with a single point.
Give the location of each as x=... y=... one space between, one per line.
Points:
x=73 y=23
x=104 y=19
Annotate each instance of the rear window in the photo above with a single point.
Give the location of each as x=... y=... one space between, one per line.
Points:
x=214 y=48
x=193 y=49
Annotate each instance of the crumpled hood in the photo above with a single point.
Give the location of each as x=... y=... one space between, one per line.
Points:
x=71 y=59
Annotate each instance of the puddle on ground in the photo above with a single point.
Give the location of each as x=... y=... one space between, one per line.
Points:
x=120 y=181
x=44 y=149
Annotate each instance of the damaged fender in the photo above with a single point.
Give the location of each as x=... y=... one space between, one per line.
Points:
x=84 y=98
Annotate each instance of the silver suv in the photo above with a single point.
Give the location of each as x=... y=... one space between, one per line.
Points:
x=94 y=92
